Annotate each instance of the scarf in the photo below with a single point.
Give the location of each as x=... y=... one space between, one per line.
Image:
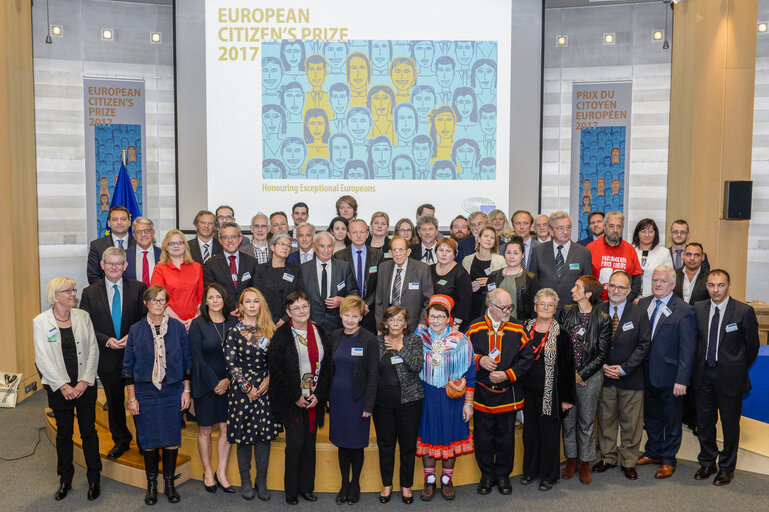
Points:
x=455 y=357
x=550 y=353
x=313 y=354
x=159 y=365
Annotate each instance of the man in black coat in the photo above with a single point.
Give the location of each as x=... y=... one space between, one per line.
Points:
x=204 y=245
x=119 y=221
x=621 y=401
x=727 y=344
x=690 y=278
x=364 y=263
x=232 y=268
x=123 y=297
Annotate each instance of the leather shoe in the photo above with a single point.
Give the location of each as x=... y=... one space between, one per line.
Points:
x=447 y=490
x=292 y=501
x=503 y=484
x=603 y=466
x=526 y=479
x=228 y=490
x=723 y=478
x=545 y=486
x=382 y=499
x=643 y=459
x=704 y=472
x=484 y=486
x=117 y=450
x=94 y=490
x=665 y=471
x=428 y=492
x=308 y=496
x=408 y=500
x=571 y=467
x=61 y=492
x=630 y=473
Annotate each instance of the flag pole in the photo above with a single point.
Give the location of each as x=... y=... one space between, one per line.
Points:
x=124 y=152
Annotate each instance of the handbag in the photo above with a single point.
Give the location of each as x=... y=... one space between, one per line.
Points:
x=456 y=388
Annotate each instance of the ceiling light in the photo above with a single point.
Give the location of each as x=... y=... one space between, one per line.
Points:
x=156 y=37
x=562 y=40
x=658 y=35
x=56 y=30
x=608 y=39
x=762 y=26
x=107 y=34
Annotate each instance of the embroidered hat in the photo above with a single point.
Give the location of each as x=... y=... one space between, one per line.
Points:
x=445 y=301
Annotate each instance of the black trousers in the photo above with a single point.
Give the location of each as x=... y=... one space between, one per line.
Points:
x=711 y=402
x=64 y=413
x=401 y=425
x=300 y=457
x=494 y=440
x=114 y=390
x=541 y=441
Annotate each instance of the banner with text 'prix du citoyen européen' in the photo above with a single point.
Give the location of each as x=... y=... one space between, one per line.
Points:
x=600 y=144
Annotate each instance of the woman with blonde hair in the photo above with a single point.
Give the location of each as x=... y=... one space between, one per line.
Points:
x=501 y=224
x=181 y=277
x=250 y=423
x=480 y=265
x=380 y=225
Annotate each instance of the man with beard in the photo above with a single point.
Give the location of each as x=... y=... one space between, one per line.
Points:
x=611 y=253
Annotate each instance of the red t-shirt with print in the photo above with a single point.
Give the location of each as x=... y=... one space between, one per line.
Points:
x=607 y=259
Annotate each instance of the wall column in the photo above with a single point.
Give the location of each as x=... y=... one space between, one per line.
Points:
x=711 y=124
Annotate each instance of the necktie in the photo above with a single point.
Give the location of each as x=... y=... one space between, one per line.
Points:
x=713 y=339
x=233 y=271
x=206 y=254
x=359 y=274
x=145 y=269
x=323 y=282
x=120 y=244
x=614 y=323
x=653 y=318
x=117 y=311
x=559 y=261
x=678 y=262
x=524 y=263
x=396 y=297
x=429 y=256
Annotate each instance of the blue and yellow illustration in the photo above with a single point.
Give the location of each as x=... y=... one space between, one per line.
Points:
x=110 y=141
x=601 y=172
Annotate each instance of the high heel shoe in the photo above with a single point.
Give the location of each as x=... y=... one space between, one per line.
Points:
x=209 y=488
x=228 y=490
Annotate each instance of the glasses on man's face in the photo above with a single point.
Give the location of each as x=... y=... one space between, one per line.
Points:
x=546 y=305
x=436 y=318
x=504 y=309
x=679 y=232
x=296 y=309
x=398 y=250
x=113 y=264
x=229 y=237
x=617 y=288
x=68 y=291
x=175 y=244
x=158 y=302
x=142 y=231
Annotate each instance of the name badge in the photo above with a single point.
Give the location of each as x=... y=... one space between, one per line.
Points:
x=731 y=327
x=52 y=334
x=246 y=276
x=667 y=311
x=441 y=282
x=491 y=286
x=494 y=353
x=573 y=266
x=288 y=277
x=293 y=243
x=487 y=271
x=234 y=277
x=627 y=326
x=413 y=286
x=372 y=270
x=581 y=331
x=356 y=352
x=264 y=343
x=340 y=285
x=387 y=255
x=396 y=360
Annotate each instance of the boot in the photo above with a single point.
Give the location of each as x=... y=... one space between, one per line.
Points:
x=571 y=467
x=169 y=469
x=244 y=467
x=151 y=468
x=584 y=472
x=262 y=456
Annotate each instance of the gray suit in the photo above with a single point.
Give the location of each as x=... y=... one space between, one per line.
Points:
x=342 y=283
x=578 y=263
x=415 y=293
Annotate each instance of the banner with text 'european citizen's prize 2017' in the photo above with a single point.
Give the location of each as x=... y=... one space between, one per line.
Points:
x=600 y=144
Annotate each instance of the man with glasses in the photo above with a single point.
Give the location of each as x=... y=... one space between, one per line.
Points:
x=679 y=234
x=144 y=255
x=225 y=214
x=305 y=233
x=503 y=356
x=114 y=304
x=611 y=253
x=119 y=221
x=259 y=249
x=204 y=245
x=404 y=282
x=465 y=247
x=558 y=263
x=620 y=406
x=232 y=269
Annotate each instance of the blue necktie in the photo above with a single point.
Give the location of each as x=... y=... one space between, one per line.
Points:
x=713 y=340
x=120 y=244
x=360 y=272
x=654 y=314
x=117 y=311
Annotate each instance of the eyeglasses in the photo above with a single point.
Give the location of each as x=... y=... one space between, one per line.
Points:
x=158 y=301
x=143 y=231
x=436 y=318
x=679 y=232
x=617 y=287
x=402 y=231
x=562 y=228
x=71 y=290
x=296 y=309
x=282 y=244
x=545 y=305
x=398 y=249
x=504 y=309
x=174 y=244
x=112 y=264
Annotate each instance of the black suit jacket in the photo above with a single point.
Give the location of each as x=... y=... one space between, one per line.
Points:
x=737 y=348
x=629 y=347
x=130 y=257
x=217 y=270
x=700 y=291
x=96 y=249
x=465 y=247
x=705 y=262
x=417 y=253
x=578 y=263
x=370 y=273
x=415 y=293
x=342 y=281
x=216 y=248
x=94 y=300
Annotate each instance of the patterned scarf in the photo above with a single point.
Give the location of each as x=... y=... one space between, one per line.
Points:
x=314 y=354
x=453 y=350
x=550 y=352
x=159 y=365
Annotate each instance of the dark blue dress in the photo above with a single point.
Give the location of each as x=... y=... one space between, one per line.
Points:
x=208 y=368
x=348 y=428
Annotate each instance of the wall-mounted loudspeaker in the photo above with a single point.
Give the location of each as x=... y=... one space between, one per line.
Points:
x=738 y=198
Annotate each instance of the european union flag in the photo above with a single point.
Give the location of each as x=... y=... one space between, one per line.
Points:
x=124 y=195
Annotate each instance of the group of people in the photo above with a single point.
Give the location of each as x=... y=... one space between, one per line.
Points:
x=592 y=340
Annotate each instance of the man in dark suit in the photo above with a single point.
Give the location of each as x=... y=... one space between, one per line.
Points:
x=364 y=262
x=466 y=246
x=204 y=245
x=727 y=344
x=143 y=256
x=522 y=221
x=621 y=402
x=559 y=262
x=114 y=304
x=667 y=370
x=679 y=234
x=119 y=221
x=595 y=226
x=225 y=214
x=327 y=281
x=404 y=282
x=232 y=268
x=427 y=230
x=690 y=278
x=305 y=234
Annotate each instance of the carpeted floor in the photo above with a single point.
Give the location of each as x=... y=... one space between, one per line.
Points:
x=28 y=485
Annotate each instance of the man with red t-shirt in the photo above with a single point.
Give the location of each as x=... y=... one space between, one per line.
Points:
x=611 y=253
